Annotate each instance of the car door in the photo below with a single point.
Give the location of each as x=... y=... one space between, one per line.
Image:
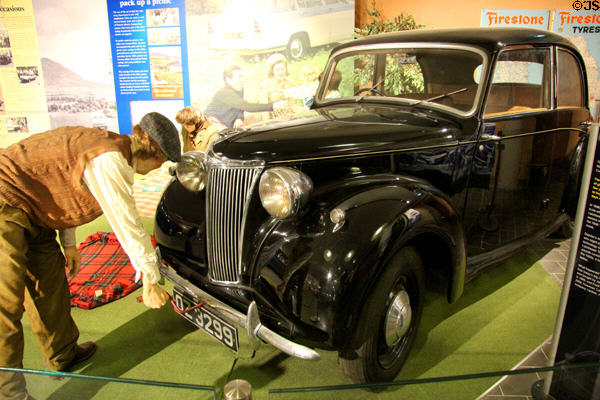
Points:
x=521 y=158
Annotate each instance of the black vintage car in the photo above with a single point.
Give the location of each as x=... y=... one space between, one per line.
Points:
x=426 y=156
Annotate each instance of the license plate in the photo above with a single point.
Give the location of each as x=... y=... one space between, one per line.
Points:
x=206 y=320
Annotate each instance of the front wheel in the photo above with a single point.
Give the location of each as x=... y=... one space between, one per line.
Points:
x=393 y=312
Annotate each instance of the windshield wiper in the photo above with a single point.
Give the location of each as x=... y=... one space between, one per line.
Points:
x=369 y=90
x=440 y=96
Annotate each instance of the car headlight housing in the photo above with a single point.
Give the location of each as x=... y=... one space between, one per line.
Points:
x=283 y=191
x=191 y=171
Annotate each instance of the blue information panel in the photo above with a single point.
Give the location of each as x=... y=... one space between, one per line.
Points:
x=577 y=334
x=149 y=55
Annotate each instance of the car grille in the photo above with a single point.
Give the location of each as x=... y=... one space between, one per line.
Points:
x=229 y=189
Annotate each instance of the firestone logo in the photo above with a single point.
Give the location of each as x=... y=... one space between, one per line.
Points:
x=567 y=18
x=496 y=19
x=589 y=23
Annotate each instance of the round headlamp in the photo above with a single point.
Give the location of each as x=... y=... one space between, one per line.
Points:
x=283 y=191
x=191 y=171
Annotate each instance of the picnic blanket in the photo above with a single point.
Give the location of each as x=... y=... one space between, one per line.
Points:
x=106 y=273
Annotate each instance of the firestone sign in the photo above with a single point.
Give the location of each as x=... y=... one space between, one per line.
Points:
x=570 y=22
x=525 y=18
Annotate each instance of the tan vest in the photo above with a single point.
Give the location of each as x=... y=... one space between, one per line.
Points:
x=42 y=174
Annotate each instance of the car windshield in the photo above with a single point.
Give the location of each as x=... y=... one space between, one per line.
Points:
x=444 y=76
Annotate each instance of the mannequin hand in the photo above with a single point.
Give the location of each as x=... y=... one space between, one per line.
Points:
x=73 y=260
x=153 y=295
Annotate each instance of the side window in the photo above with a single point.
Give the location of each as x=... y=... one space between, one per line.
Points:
x=570 y=87
x=521 y=82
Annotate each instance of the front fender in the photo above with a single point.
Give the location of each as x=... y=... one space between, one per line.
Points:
x=321 y=272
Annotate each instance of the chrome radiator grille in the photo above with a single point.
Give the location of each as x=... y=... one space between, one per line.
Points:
x=227 y=196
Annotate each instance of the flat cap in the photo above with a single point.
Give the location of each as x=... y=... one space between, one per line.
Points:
x=164 y=133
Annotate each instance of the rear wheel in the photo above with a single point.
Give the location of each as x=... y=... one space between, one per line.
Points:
x=565 y=231
x=393 y=312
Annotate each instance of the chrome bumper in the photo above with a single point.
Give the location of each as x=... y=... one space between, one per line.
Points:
x=251 y=321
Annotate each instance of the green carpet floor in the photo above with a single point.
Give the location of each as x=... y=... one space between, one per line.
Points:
x=504 y=314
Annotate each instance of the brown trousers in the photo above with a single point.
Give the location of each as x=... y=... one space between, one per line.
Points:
x=32 y=278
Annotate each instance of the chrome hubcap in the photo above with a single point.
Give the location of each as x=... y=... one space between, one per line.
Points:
x=397 y=319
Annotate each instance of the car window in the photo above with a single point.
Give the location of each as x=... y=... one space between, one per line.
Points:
x=309 y=3
x=352 y=73
x=570 y=88
x=403 y=74
x=521 y=82
x=434 y=76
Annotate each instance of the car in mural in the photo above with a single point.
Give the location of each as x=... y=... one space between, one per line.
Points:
x=426 y=156
x=258 y=26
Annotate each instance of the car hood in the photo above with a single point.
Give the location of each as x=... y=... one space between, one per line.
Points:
x=339 y=131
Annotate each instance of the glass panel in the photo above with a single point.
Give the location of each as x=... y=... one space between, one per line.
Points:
x=353 y=73
x=403 y=75
x=429 y=75
x=521 y=81
x=66 y=386
x=525 y=383
x=570 y=91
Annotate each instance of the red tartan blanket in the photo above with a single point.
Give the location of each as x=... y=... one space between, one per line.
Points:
x=106 y=273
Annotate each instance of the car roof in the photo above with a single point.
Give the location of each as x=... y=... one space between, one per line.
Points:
x=490 y=39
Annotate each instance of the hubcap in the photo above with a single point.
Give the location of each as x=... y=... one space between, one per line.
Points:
x=397 y=319
x=296 y=48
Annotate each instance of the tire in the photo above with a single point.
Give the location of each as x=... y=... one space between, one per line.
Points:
x=565 y=231
x=298 y=46
x=376 y=360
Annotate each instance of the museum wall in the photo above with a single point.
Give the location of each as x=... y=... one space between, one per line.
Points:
x=438 y=13
x=59 y=61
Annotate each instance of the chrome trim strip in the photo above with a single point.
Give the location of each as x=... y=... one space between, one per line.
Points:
x=442 y=146
x=251 y=322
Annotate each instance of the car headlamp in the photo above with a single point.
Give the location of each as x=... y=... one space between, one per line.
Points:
x=283 y=191
x=191 y=171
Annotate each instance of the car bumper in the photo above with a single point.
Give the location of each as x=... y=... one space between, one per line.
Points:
x=250 y=321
